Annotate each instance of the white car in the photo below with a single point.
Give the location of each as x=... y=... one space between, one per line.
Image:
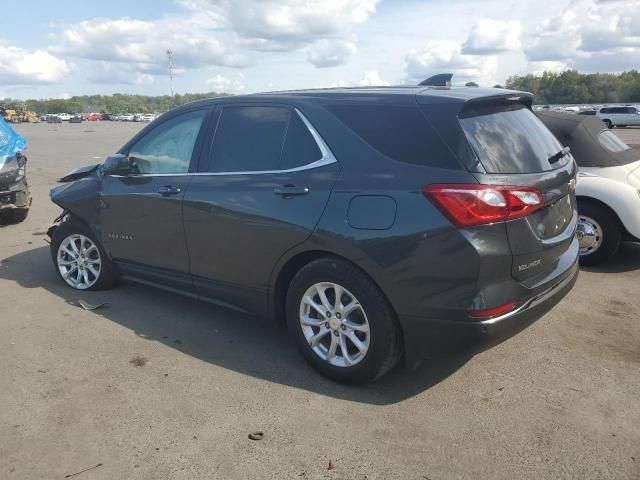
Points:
x=147 y=117
x=608 y=187
x=65 y=117
x=127 y=117
x=619 y=116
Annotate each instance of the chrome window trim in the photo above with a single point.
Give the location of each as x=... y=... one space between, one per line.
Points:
x=326 y=159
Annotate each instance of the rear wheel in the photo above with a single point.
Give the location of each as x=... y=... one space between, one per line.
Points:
x=599 y=233
x=79 y=258
x=341 y=322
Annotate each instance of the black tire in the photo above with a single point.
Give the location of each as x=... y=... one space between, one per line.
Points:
x=108 y=277
x=17 y=215
x=385 y=345
x=611 y=232
x=608 y=123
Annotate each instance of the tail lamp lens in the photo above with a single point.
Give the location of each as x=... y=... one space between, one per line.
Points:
x=492 y=312
x=467 y=204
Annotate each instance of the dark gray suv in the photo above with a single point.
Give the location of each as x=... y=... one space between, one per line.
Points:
x=380 y=222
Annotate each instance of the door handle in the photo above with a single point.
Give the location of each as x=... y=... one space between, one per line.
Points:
x=169 y=190
x=290 y=190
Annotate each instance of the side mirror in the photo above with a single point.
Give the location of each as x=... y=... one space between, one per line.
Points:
x=117 y=164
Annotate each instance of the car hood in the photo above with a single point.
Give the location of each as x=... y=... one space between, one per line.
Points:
x=79 y=173
x=629 y=173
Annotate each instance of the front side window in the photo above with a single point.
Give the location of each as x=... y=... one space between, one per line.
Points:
x=168 y=147
x=249 y=139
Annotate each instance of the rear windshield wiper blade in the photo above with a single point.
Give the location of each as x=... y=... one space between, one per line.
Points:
x=557 y=156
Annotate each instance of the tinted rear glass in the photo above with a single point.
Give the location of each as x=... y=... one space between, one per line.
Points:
x=398 y=132
x=612 y=143
x=513 y=141
x=299 y=146
x=249 y=139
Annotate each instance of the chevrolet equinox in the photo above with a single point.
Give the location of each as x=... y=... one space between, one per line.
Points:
x=381 y=223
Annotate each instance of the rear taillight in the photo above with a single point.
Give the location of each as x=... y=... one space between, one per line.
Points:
x=468 y=204
x=492 y=312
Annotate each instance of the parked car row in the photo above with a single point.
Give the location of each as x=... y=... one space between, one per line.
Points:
x=612 y=115
x=97 y=117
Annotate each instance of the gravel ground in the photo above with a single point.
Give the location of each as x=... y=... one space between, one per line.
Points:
x=160 y=386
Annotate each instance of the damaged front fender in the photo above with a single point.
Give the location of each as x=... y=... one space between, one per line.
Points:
x=79 y=195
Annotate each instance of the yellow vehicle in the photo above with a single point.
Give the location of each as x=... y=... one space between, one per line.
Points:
x=14 y=116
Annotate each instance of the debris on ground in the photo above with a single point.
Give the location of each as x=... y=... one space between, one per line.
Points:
x=138 y=361
x=331 y=466
x=256 y=436
x=69 y=475
x=89 y=306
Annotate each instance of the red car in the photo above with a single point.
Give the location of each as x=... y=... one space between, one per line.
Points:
x=94 y=117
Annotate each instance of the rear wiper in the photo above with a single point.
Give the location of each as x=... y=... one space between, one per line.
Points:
x=555 y=157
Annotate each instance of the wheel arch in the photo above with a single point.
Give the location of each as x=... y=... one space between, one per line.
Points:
x=604 y=205
x=293 y=264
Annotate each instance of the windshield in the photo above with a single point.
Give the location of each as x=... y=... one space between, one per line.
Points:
x=513 y=141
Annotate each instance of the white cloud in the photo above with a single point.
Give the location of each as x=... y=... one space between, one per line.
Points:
x=27 y=67
x=489 y=36
x=590 y=36
x=144 y=43
x=538 y=68
x=371 y=78
x=446 y=57
x=287 y=25
x=223 y=84
x=120 y=73
x=330 y=53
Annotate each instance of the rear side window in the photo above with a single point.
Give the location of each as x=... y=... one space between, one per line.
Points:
x=249 y=139
x=398 y=132
x=513 y=141
x=612 y=143
x=300 y=148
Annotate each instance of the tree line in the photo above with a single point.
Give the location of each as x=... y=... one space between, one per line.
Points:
x=569 y=86
x=572 y=86
x=116 y=103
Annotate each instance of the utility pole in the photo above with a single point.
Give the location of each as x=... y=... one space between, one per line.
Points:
x=170 y=55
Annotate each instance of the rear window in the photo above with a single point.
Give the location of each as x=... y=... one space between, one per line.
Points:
x=612 y=143
x=399 y=132
x=513 y=141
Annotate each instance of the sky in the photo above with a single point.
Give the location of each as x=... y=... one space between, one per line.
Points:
x=73 y=47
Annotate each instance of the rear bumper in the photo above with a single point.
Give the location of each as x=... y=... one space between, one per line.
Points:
x=428 y=338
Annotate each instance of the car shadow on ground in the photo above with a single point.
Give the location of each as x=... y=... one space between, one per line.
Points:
x=236 y=341
x=627 y=259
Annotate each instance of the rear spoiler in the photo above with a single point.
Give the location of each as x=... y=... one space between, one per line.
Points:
x=496 y=103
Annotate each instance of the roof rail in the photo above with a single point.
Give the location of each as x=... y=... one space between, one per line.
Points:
x=440 y=80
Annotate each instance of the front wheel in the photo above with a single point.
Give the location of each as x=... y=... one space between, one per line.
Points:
x=17 y=215
x=341 y=321
x=79 y=258
x=599 y=233
x=608 y=123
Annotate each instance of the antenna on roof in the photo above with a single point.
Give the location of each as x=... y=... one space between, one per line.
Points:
x=440 y=80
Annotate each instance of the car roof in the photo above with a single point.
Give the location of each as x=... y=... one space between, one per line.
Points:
x=399 y=94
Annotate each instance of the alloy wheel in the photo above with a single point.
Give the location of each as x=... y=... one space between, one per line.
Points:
x=79 y=261
x=334 y=324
